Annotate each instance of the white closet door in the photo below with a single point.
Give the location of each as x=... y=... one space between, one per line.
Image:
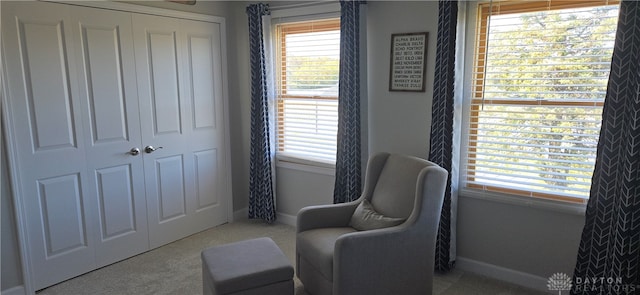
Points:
x=205 y=128
x=108 y=92
x=49 y=139
x=85 y=86
x=180 y=90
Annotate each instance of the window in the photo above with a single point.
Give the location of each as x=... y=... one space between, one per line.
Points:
x=539 y=81
x=308 y=58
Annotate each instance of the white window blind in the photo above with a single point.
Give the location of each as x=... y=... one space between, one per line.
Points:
x=309 y=60
x=540 y=77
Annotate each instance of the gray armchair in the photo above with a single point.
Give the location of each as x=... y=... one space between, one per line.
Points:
x=334 y=258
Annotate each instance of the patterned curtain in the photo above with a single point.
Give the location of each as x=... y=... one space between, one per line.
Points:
x=610 y=245
x=441 y=146
x=261 y=196
x=348 y=166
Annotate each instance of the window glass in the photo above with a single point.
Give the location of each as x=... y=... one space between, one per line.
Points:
x=308 y=62
x=540 y=78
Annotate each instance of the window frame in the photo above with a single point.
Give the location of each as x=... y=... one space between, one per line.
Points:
x=287 y=159
x=474 y=85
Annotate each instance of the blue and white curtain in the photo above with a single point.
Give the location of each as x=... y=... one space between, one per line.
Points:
x=442 y=123
x=261 y=191
x=610 y=245
x=348 y=186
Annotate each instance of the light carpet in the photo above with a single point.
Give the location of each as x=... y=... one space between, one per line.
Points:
x=176 y=268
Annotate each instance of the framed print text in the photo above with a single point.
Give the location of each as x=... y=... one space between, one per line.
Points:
x=408 y=62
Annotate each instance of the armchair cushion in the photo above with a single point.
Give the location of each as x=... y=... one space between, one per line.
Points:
x=321 y=242
x=365 y=217
x=395 y=190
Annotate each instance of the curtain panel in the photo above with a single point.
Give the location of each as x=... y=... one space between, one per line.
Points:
x=261 y=192
x=348 y=183
x=442 y=120
x=608 y=259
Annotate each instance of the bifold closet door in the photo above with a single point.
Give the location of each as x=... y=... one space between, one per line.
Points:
x=74 y=116
x=48 y=137
x=109 y=100
x=116 y=128
x=180 y=90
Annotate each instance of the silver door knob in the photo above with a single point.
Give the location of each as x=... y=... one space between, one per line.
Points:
x=150 y=149
x=134 y=151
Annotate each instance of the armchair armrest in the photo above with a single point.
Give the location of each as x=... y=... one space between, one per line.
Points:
x=380 y=261
x=334 y=215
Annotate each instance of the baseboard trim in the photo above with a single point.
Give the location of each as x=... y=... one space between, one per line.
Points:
x=242 y=214
x=286 y=219
x=504 y=274
x=18 y=290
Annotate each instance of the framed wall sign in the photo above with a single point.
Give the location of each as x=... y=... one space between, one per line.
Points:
x=408 y=62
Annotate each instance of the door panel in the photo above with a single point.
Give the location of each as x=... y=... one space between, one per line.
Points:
x=204 y=76
x=197 y=105
x=109 y=97
x=163 y=60
x=101 y=48
x=47 y=80
x=162 y=110
x=201 y=74
x=42 y=105
x=170 y=188
x=61 y=211
x=207 y=177
x=117 y=202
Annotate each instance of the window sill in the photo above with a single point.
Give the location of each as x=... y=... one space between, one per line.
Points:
x=305 y=164
x=537 y=203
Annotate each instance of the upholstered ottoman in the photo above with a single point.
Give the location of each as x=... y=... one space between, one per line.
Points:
x=248 y=267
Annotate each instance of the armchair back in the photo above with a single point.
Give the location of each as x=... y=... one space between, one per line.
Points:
x=395 y=191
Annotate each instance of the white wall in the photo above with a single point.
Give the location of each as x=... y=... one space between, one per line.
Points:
x=297 y=189
x=239 y=100
x=398 y=121
x=532 y=240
